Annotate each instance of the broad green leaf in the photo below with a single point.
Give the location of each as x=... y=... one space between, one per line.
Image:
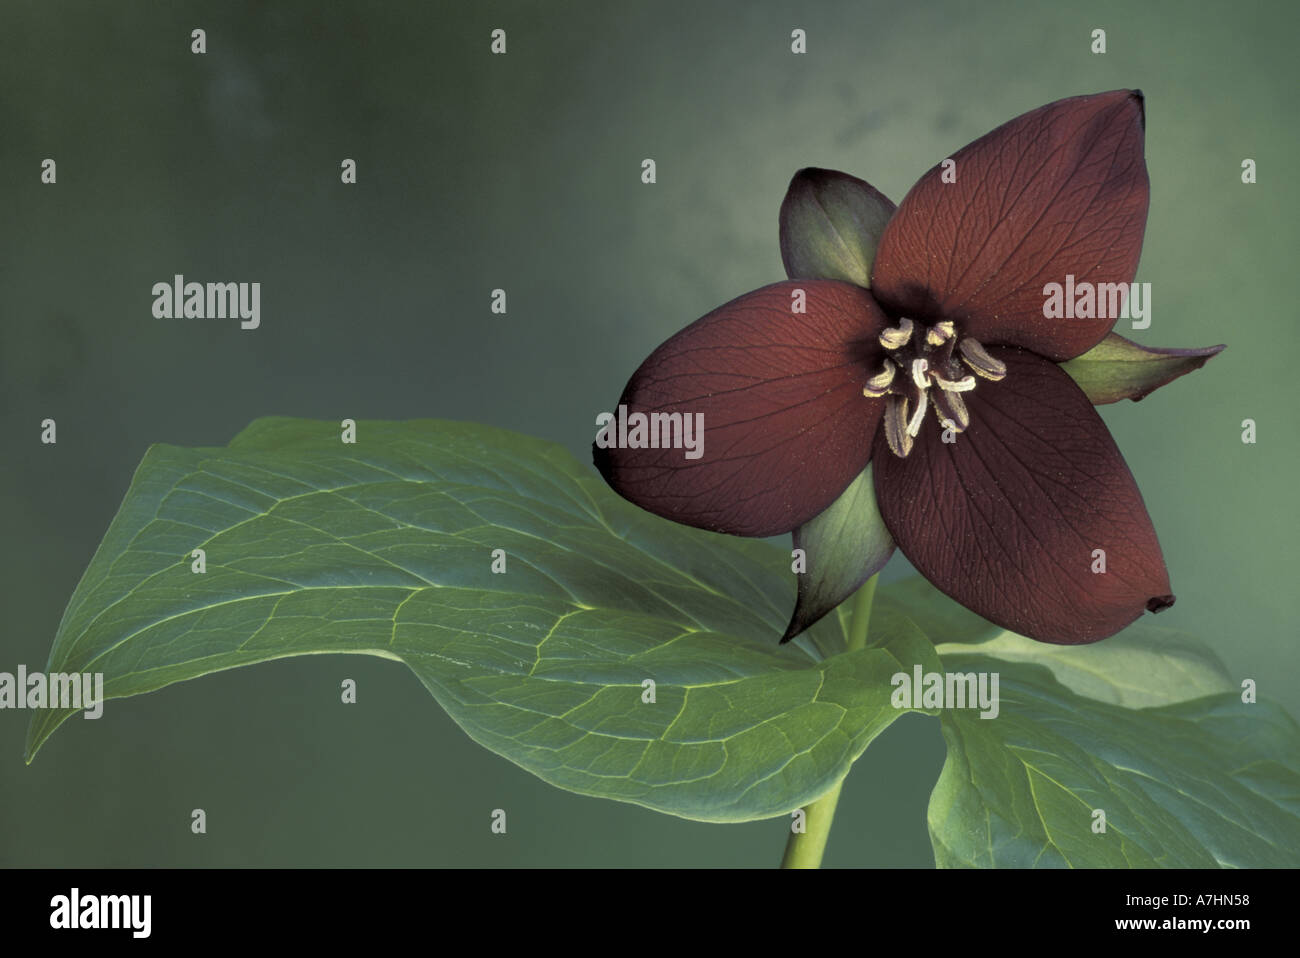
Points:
x=1204 y=783
x=844 y=546
x=942 y=619
x=386 y=547
x=1142 y=666
x=1118 y=368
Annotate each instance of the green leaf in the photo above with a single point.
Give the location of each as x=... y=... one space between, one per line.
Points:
x=386 y=548
x=1200 y=783
x=844 y=546
x=1118 y=368
x=831 y=224
x=944 y=620
x=1142 y=666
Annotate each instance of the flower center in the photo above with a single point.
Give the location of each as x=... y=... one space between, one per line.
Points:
x=917 y=359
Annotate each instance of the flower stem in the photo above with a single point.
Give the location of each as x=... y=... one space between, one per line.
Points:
x=804 y=849
x=861 y=616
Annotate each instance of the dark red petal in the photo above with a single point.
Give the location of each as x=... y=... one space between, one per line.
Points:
x=786 y=427
x=1060 y=190
x=1006 y=519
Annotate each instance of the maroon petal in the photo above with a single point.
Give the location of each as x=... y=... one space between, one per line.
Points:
x=785 y=425
x=1059 y=191
x=1007 y=519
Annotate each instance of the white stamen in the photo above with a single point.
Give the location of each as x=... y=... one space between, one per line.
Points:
x=940 y=333
x=919 y=368
x=950 y=407
x=957 y=408
x=878 y=384
x=914 y=424
x=977 y=358
x=896 y=337
x=965 y=384
x=900 y=443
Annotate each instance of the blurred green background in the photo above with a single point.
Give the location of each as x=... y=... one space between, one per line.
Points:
x=523 y=172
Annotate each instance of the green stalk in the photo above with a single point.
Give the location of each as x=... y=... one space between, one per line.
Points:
x=805 y=849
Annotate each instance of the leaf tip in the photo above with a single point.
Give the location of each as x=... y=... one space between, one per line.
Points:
x=1196 y=358
x=793 y=629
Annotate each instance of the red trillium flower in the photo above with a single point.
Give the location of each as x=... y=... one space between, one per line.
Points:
x=908 y=386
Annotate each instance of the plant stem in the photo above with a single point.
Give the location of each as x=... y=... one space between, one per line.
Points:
x=861 y=617
x=804 y=849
